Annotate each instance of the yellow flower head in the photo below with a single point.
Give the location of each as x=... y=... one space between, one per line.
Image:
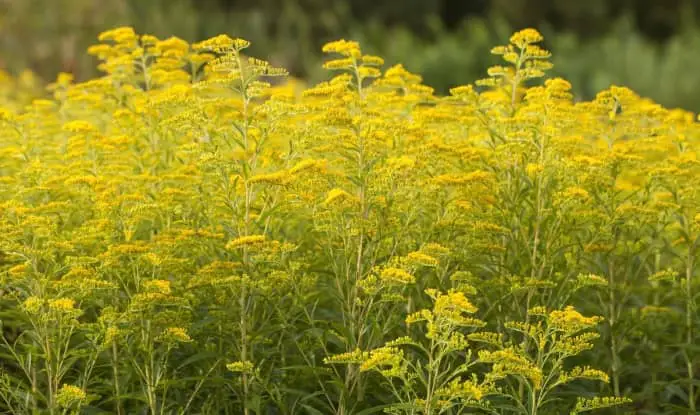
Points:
x=177 y=334
x=343 y=47
x=79 y=126
x=526 y=37
x=571 y=321
x=70 y=395
x=241 y=367
x=386 y=360
x=222 y=43
x=123 y=34
x=157 y=286
x=32 y=305
x=337 y=195
x=62 y=304
x=420 y=258
x=396 y=275
x=249 y=240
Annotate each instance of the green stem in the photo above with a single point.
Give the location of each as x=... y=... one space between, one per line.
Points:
x=613 y=339
x=432 y=367
x=243 y=298
x=689 y=328
x=50 y=374
x=115 y=376
x=533 y=402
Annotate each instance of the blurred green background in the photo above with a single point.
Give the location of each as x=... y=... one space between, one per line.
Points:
x=652 y=46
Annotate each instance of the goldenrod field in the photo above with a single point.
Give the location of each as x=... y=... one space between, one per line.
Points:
x=193 y=233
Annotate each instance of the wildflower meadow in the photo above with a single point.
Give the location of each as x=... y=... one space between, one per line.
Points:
x=195 y=232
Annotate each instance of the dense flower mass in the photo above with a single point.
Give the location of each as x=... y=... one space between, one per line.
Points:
x=194 y=233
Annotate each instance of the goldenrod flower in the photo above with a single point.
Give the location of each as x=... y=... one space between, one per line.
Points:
x=158 y=286
x=70 y=395
x=526 y=37
x=32 y=305
x=245 y=241
x=62 y=304
x=337 y=195
x=420 y=258
x=178 y=334
x=278 y=178
x=343 y=47
x=396 y=275
x=241 y=367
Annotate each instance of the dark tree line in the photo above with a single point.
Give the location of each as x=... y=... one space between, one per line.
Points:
x=657 y=19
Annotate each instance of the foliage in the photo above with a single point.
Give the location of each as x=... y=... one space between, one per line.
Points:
x=596 y=46
x=193 y=233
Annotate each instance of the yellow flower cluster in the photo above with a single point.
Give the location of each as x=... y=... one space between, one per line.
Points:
x=240 y=367
x=70 y=395
x=193 y=205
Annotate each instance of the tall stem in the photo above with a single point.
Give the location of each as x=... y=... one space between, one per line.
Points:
x=49 y=375
x=149 y=371
x=243 y=298
x=433 y=367
x=689 y=328
x=613 y=321
x=352 y=373
x=115 y=376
